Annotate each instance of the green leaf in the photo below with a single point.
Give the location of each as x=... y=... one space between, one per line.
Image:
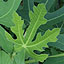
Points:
x=37 y=19
x=20 y=57
x=59 y=44
x=56 y=59
x=53 y=18
x=4 y=58
x=4 y=42
x=49 y=3
x=42 y=42
x=24 y=10
x=24 y=42
x=9 y=6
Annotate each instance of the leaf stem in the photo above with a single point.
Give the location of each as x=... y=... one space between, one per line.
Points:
x=62 y=25
x=58 y=55
x=46 y=2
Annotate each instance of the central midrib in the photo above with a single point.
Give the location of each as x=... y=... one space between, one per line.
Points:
x=33 y=28
x=40 y=41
